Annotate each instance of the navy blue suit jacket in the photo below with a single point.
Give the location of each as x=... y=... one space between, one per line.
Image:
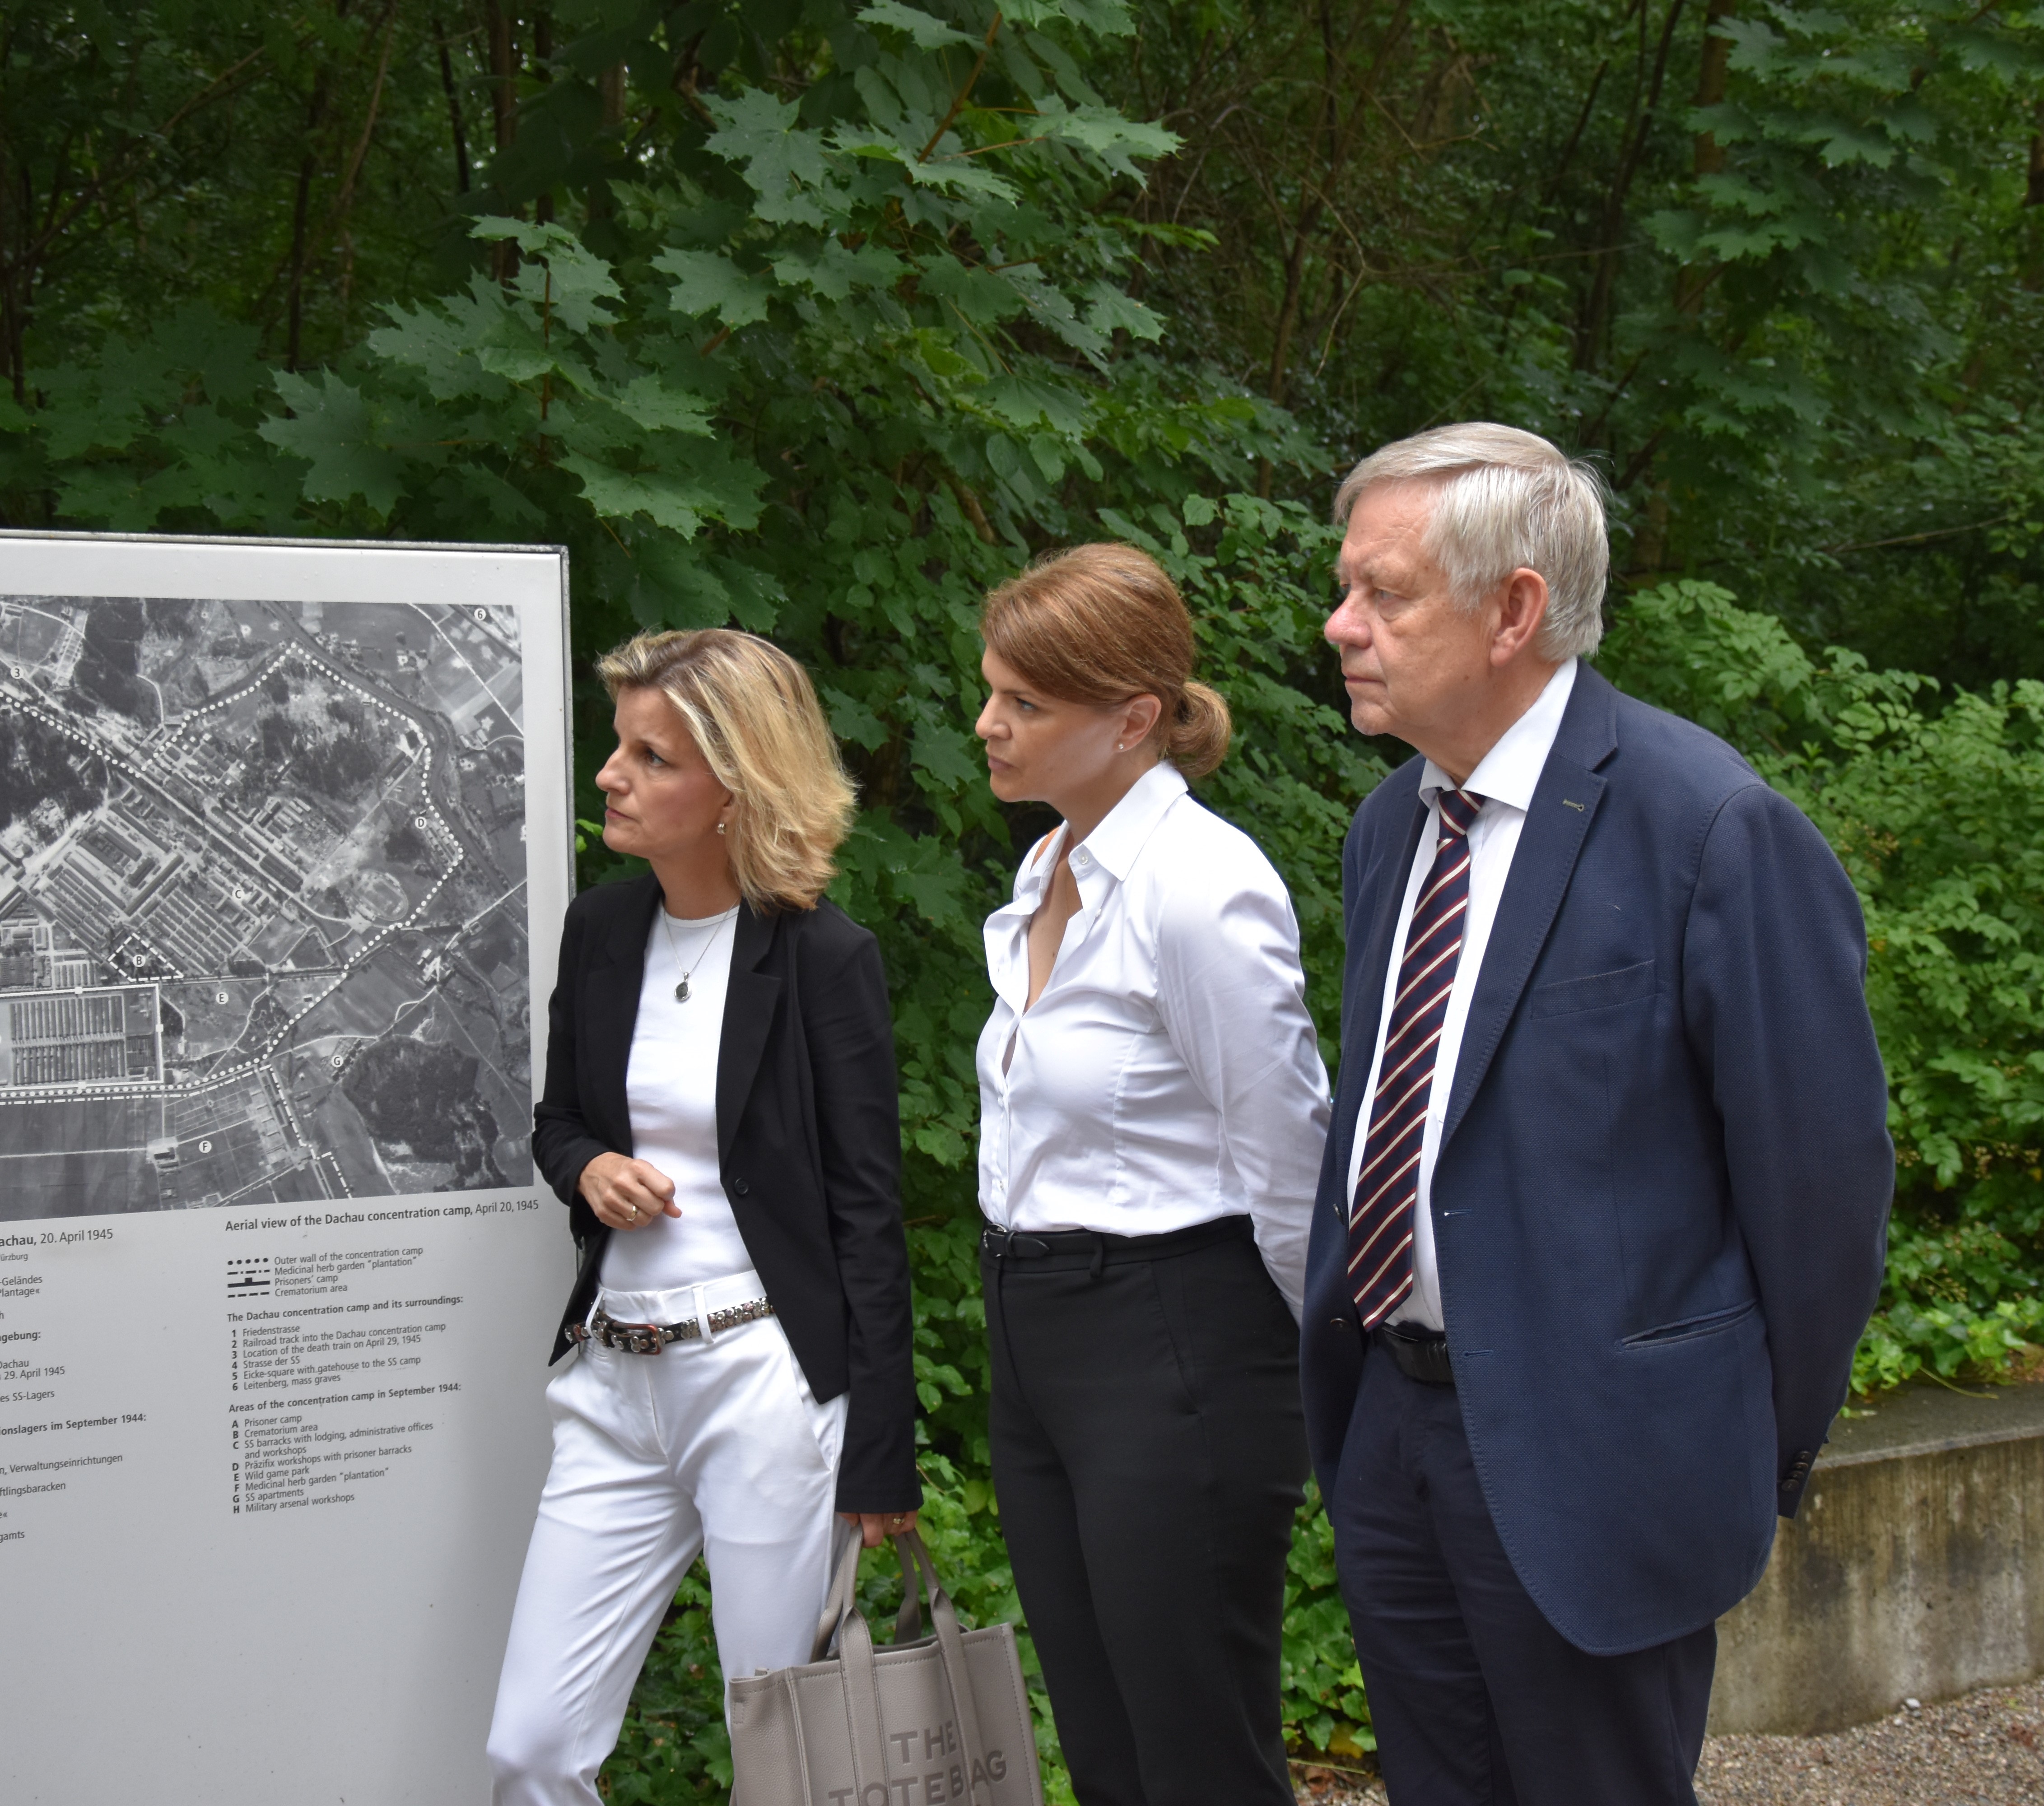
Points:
x=1660 y=1202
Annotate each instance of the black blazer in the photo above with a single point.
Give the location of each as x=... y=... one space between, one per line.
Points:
x=808 y=1143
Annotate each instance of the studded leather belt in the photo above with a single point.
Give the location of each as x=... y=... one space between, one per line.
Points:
x=651 y=1338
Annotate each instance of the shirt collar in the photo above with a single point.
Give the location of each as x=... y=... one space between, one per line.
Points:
x=1118 y=839
x=1510 y=772
x=1113 y=845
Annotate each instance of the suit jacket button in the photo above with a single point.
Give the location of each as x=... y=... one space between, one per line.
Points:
x=740 y=1187
x=1339 y=1322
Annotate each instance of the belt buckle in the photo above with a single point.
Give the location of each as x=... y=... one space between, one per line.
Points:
x=1018 y=1243
x=631 y=1338
x=644 y=1337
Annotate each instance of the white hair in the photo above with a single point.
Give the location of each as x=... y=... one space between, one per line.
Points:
x=1507 y=500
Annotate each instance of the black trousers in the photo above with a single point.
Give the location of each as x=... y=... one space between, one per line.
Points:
x=1478 y=1700
x=1149 y=1453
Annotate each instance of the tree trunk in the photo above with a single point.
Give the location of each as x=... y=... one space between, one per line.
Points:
x=1711 y=77
x=503 y=74
x=1336 y=139
x=1707 y=157
x=542 y=59
x=1288 y=310
x=1597 y=312
x=14 y=223
x=504 y=112
x=301 y=228
x=2033 y=273
x=454 y=120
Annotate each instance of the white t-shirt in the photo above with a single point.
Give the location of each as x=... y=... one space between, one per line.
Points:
x=671 y=1090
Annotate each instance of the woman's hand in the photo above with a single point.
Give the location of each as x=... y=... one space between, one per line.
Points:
x=875 y=1527
x=627 y=1194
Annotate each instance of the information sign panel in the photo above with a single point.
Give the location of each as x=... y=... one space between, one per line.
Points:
x=284 y=849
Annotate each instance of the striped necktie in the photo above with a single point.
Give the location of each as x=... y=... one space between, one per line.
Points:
x=1387 y=1185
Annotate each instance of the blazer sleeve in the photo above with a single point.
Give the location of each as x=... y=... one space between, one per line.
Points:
x=849 y=1030
x=1774 y=975
x=561 y=1142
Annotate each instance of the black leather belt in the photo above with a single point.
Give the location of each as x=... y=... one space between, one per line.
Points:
x=1418 y=1353
x=1093 y=1249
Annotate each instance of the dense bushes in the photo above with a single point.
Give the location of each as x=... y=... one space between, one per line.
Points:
x=1935 y=803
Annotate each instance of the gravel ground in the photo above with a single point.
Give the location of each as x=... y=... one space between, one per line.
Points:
x=1984 y=1750
x=1318 y=1786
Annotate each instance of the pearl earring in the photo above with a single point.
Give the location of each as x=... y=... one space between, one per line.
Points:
x=720 y=827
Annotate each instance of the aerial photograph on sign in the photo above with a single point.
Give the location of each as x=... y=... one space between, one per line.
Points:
x=262 y=918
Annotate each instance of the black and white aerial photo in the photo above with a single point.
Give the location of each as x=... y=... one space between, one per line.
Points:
x=263 y=929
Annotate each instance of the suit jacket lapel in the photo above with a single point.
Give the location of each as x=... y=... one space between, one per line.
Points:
x=749 y=1002
x=611 y=982
x=1564 y=804
x=1363 y=1009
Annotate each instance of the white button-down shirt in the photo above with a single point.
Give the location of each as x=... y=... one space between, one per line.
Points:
x=1506 y=780
x=1169 y=1074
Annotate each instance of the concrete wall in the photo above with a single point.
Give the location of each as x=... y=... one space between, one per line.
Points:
x=1914 y=1570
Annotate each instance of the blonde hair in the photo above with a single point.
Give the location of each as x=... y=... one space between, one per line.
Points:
x=754 y=714
x=1507 y=499
x=1101 y=624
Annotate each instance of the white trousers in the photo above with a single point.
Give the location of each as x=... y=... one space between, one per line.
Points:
x=715 y=1447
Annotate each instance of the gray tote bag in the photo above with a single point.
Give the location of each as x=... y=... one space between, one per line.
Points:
x=925 y=1721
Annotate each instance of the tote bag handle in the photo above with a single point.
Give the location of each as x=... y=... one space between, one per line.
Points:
x=844 y=1624
x=951 y=1641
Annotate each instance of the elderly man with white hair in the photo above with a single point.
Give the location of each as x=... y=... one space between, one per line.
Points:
x=1602 y=1212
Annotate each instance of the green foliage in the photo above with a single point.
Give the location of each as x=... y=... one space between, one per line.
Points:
x=1935 y=801
x=1779 y=267
x=288 y=165
x=1325 y=1712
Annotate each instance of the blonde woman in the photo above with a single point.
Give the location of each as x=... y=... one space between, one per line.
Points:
x=719 y=1118
x=1152 y=1108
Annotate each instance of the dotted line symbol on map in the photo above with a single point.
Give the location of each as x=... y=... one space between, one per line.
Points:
x=432 y=820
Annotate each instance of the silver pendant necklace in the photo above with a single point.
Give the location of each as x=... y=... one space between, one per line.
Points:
x=688 y=971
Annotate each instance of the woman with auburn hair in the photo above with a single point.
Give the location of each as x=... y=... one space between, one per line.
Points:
x=1152 y=1108
x=719 y=1118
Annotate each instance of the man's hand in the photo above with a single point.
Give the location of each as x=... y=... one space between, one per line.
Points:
x=627 y=1194
x=875 y=1527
